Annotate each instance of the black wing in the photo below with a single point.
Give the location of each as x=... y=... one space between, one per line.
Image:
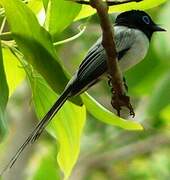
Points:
x=94 y=65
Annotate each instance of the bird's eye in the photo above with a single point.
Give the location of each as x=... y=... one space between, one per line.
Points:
x=146 y=19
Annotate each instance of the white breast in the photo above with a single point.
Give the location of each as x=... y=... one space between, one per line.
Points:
x=137 y=51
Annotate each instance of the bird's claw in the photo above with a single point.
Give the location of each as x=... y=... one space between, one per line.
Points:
x=119 y=101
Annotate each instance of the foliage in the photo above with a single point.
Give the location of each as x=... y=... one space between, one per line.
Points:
x=143 y=5
x=36 y=26
x=3 y=95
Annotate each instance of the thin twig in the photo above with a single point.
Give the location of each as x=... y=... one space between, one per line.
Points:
x=71 y=38
x=109 y=3
x=119 y=99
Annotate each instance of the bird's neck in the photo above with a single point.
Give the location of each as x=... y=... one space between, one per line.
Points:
x=148 y=33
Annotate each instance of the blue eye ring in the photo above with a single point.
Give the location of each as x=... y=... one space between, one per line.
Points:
x=146 y=19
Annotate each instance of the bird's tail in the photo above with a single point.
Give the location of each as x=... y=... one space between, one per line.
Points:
x=39 y=128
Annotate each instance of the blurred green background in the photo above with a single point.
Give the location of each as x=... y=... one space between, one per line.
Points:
x=107 y=152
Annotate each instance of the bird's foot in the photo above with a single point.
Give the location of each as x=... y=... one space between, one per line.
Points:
x=118 y=101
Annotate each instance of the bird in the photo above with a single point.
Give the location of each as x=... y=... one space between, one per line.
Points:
x=133 y=31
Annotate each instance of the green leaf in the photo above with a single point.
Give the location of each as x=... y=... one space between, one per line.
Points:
x=143 y=5
x=45 y=3
x=104 y=115
x=35 y=43
x=35 y=5
x=66 y=126
x=15 y=73
x=43 y=164
x=60 y=13
x=3 y=96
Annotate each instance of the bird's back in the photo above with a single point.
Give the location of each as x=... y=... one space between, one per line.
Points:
x=131 y=47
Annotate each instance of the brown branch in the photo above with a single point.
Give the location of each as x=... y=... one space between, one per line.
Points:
x=108 y=42
x=119 y=99
x=109 y=3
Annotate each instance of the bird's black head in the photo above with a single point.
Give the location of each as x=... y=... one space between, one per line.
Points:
x=138 y=20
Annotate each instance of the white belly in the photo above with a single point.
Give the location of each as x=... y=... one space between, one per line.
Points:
x=136 y=53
